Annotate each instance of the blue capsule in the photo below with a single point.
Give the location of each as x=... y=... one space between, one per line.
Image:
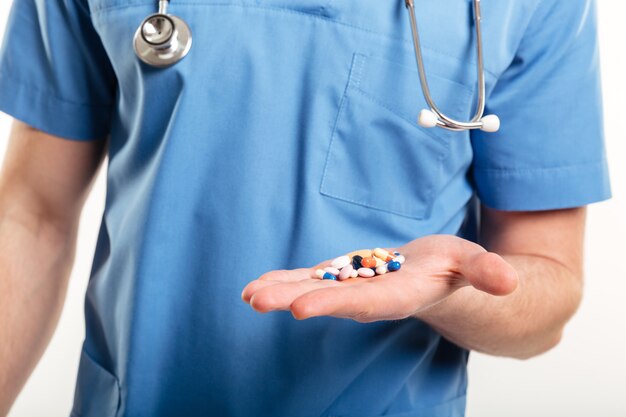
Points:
x=393 y=266
x=328 y=275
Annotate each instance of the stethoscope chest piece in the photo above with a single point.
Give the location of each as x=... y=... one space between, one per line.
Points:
x=162 y=39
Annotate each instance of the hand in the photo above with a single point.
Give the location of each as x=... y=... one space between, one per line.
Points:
x=435 y=267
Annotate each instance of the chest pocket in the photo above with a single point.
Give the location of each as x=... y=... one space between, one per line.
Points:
x=378 y=156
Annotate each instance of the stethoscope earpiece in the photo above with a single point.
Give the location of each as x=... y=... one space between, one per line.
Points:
x=491 y=123
x=162 y=39
x=428 y=119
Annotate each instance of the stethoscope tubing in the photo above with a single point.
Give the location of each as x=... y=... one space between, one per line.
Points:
x=443 y=120
x=172 y=44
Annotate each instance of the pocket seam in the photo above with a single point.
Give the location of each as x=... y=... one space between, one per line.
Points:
x=74 y=412
x=102 y=368
x=421 y=411
x=442 y=141
x=433 y=133
x=419 y=215
x=353 y=84
x=356 y=68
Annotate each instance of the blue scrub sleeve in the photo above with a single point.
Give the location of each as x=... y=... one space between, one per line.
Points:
x=54 y=72
x=549 y=152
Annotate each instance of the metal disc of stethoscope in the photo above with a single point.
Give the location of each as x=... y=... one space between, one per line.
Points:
x=162 y=40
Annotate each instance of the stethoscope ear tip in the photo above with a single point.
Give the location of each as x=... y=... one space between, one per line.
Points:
x=491 y=123
x=427 y=119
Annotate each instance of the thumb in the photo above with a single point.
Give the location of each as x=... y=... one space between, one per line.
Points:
x=489 y=272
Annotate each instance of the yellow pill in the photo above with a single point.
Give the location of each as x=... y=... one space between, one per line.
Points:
x=382 y=254
x=364 y=253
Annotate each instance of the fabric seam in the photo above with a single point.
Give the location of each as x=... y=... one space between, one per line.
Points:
x=354 y=80
x=513 y=171
x=43 y=93
x=354 y=72
x=115 y=378
x=397 y=113
x=404 y=41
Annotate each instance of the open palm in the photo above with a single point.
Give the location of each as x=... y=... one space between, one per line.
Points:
x=435 y=267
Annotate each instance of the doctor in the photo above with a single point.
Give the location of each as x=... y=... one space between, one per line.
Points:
x=286 y=136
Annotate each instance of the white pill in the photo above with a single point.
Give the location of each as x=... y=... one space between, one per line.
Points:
x=366 y=272
x=382 y=270
x=319 y=273
x=354 y=273
x=400 y=258
x=340 y=262
x=332 y=270
x=346 y=272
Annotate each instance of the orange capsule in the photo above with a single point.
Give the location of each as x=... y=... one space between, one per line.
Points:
x=368 y=262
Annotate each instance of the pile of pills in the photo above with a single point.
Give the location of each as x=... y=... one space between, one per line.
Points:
x=364 y=263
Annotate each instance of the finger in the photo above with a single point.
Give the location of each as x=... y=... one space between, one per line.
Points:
x=490 y=273
x=485 y=271
x=366 y=301
x=280 y=297
x=274 y=277
x=254 y=286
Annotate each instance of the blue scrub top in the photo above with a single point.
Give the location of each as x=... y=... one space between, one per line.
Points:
x=285 y=137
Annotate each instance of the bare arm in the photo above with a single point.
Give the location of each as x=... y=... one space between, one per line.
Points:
x=545 y=249
x=43 y=185
x=511 y=299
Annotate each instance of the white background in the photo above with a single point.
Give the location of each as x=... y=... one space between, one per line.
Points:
x=584 y=376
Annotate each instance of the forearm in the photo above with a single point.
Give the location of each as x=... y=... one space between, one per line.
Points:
x=523 y=324
x=509 y=295
x=35 y=261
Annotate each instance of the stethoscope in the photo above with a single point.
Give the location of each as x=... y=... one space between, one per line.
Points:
x=434 y=117
x=163 y=39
